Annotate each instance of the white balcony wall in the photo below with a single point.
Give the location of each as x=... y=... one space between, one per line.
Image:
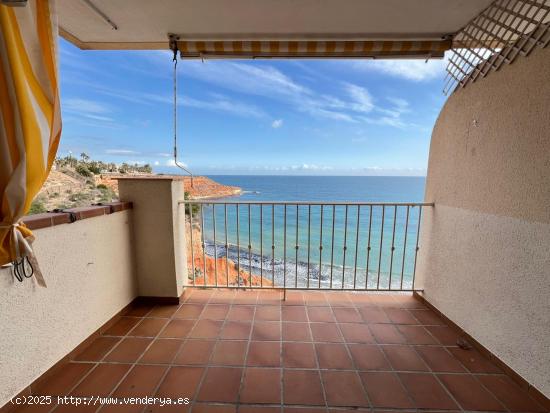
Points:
x=485 y=247
x=88 y=266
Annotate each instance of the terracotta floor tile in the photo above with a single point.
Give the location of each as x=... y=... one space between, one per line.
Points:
x=128 y=350
x=236 y=330
x=369 y=357
x=470 y=393
x=386 y=334
x=163 y=311
x=445 y=335
x=287 y=409
x=294 y=298
x=408 y=301
x=178 y=328
x=221 y=384
x=294 y=313
x=262 y=386
x=258 y=409
x=343 y=388
x=121 y=408
x=139 y=310
x=229 y=353
x=293 y=331
x=508 y=392
x=199 y=296
x=264 y=354
x=404 y=358
x=222 y=297
x=373 y=315
x=356 y=333
x=385 y=390
x=266 y=330
x=176 y=408
x=269 y=297
x=474 y=361
x=162 y=351
x=141 y=381
x=33 y=408
x=315 y=298
x=70 y=408
x=347 y=315
x=241 y=313
x=333 y=356
x=416 y=334
x=339 y=299
x=148 y=327
x=246 y=297
x=180 y=382
x=206 y=329
x=189 y=311
x=215 y=311
x=299 y=355
x=268 y=313
x=195 y=352
x=59 y=383
x=325 y=332
x=426 y=392
x=215 y=408
x=320 y=314
x=122 y=326
x=302 y=387
x=97 y=349
x=427 y=317
x=400 y=316
x=439 y=359
x=102 y=380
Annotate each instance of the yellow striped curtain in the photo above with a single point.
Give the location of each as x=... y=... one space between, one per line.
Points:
x=30 y=118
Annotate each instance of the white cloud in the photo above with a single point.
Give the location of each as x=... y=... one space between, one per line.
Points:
x=415 y=69
x=362 y=99
x=277 y=123
x=84 y=106
x=172 y=163
x=121 y=152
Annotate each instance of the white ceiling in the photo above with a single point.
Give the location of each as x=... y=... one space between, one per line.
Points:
x=146 y=23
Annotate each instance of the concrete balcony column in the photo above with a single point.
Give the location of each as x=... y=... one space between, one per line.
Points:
x=158 y=234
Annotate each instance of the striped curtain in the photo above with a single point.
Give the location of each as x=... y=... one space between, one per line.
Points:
x=30 y=118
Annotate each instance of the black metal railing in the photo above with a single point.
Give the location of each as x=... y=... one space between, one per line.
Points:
x=303 y=245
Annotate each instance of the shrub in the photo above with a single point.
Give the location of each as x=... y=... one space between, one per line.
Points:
x=83 y=170
x=101 y=186
x=37 y=207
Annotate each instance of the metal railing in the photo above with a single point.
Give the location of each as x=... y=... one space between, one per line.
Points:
x=303 y=245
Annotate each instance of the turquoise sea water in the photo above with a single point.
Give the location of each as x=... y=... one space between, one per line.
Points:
x=338 y=263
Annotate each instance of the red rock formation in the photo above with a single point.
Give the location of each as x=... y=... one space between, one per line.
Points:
x=229 y=276
x=204 y=187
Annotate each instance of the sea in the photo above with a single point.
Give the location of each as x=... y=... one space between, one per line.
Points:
x=313 y=245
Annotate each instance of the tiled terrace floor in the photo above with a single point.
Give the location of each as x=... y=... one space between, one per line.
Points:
x=249 y=351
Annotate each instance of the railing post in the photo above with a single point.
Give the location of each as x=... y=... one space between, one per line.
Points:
x=158 y=234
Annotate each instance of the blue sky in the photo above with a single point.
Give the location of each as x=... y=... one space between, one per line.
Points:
x=274 y=117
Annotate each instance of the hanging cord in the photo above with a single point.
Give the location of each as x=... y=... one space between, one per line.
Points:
x=174 y=47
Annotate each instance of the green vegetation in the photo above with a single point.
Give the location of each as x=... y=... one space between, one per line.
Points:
x=87 y=167
x=37 y=207
x=195 y=208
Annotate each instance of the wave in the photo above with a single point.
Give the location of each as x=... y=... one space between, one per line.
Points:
x=292 y=273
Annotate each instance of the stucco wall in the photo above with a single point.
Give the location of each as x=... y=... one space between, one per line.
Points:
x=88 y=266
x=485 y=247
x=158 y=242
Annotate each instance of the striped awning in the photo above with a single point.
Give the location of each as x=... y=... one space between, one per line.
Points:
x=30 y=118
x=313 y=49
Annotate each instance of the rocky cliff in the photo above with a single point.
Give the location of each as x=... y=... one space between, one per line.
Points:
x=202 y=187
x=200 y=260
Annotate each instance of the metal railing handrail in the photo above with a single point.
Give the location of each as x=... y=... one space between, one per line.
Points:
x=337 y=203
x=377 y=244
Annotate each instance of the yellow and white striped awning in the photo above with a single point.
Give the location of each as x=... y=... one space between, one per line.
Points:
x=30 y=117
x=313 y=49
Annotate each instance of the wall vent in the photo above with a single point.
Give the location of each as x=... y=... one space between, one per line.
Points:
x=502 y=32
